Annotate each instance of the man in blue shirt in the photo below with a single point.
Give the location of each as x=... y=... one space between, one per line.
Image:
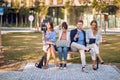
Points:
x=78 y=42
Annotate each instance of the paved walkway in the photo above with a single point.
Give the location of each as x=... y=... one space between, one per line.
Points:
x=73 y=72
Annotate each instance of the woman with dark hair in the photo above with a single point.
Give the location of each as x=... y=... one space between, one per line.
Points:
x=49 y=39
x=93 y=36
x=62 y=47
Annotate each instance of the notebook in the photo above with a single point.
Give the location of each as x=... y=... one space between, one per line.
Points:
x=92 y=40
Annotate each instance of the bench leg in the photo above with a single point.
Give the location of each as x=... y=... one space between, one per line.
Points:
x=69 y=56
x=97 y=60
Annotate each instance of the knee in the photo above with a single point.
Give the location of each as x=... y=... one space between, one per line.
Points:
x=59 y=49
x=65 y=49
x=82 y=52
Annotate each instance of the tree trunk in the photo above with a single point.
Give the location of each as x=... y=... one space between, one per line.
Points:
x=7 y=20
x=65 y=15
x=16 y=20
x=35 y=20
x=100 y=20
x=37 y=24
x=25 y=21
x=22 y=21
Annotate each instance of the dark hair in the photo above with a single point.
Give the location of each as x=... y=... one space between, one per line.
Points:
x=93 y=21
x=81 y=21
x=64 y=25
x=51 y=25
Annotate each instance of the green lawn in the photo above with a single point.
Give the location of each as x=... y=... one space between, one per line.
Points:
x=28 y=47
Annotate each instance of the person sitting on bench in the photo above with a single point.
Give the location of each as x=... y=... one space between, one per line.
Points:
x=78 y=42
x=49 y=39
x=93 y=37
x=63 y=44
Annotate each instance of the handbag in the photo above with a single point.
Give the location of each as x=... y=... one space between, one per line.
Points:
x=42 y=61
x=62 y=43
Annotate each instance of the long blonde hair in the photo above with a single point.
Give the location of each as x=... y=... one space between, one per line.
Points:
x=95 y=29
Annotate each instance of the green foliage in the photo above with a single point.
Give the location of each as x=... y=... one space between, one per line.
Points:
x=37 y=7
x=117 y=3
x=111 y=9
x=67 y=5
x=24 y=11
x=40 y=8
x=16 y=6
x=99 y=6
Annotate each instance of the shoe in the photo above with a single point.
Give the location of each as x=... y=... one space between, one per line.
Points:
x=60 y=66
x=102 y=62
x=84 y=70
x=94 y=68
x=64 y=67
x=45 y=67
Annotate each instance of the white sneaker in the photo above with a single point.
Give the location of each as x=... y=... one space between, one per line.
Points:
x=64 y=66
x=84 y=70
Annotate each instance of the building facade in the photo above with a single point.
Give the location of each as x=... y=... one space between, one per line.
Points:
x=56 y=5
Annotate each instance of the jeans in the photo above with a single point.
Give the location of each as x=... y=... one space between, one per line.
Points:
x=62 y=51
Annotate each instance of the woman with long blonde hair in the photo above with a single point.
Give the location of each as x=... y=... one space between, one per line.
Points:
x=93 y=37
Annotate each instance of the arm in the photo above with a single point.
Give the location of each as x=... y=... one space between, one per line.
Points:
x=50 y=37
x=98 y=39
x=72 y=36
x=87 y=36
x=53 y=37
x=43 y=37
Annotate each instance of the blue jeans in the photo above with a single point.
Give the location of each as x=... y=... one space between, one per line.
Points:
x=62 y=51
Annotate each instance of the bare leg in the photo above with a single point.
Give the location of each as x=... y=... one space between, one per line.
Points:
x=48 y=57
x=53 y=55
x=99 y=57
x=94 y=64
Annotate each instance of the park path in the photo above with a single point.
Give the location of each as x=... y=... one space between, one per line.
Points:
x=73 y=72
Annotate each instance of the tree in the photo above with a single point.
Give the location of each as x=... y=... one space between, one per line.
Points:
x=15 y=6
x=40 y=11
x=117 y=3
x=66 y=9
x=98 y=6
x=24 y=11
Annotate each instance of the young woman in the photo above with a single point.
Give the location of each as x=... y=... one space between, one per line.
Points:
x=64 y=35
x=93 y=37
x=49 y=39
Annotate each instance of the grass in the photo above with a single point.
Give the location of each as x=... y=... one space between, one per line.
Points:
x=22 y=46
x=28 y=47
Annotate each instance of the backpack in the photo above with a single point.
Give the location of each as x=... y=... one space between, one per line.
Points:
x=42 y=61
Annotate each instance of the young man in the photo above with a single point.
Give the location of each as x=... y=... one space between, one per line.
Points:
x=78 y=42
